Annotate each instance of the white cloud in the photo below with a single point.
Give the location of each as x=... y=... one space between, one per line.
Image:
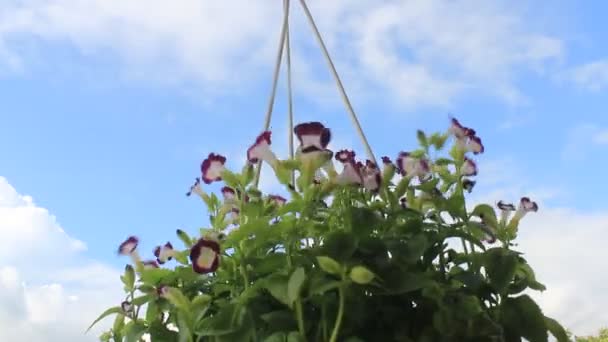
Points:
x=566 y=249
x=417 y=52
x=590 y=76
x=49 y=291
x=564 y=246
x=601 y=137
x=582 y=139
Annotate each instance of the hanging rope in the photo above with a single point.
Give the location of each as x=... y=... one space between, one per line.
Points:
x=275 y=80
x=349 y=107
x=289 y=95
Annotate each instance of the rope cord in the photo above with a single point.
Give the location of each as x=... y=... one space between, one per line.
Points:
x=347 y=103
x=275 y=80
x=289 y=95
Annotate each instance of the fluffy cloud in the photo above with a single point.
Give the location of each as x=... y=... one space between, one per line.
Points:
x=419 y=52
x=590 y=76
x=41 y=297
x=566 y=248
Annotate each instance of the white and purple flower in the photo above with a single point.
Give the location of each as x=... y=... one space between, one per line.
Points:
x=127 y=307
x=351 y=171
x=196 y=188
x=260 y=150
x=129 y=246
x=525 y=206
x=212 y=168
x=164 y=253
x=468 y=185
x=313 y=136
x=409 y=166
x=205 y=256
x=371 y=176
x=466 y=138
x=469 y=168
x=150 y=264
x=277 y=200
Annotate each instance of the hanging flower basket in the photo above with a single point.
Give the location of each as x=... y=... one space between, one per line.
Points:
x=360 y=251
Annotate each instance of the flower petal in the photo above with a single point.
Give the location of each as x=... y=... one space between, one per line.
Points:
x=505 y=206
x=204 y=256
x=126 y=306
x=312 y=134
x=475 y=145
x=345 y=156
x=128 y=246
x=469 y=168
x=468 y=185
x=212 y=168
x=260 y=150
x=371 y=176
x=277 y=200
x=196 y=188
x=527 y=205
x=150 y=264
x=164 y=253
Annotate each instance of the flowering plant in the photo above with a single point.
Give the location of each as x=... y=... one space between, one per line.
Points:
x=359 y=252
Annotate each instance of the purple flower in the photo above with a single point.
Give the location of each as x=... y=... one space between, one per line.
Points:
x=475 y=145
x=468 y=185
x=409 y=166
x=205 y=256
x=127 y=307
x=351 y=171
x=469 y=168
x=505 y=210
x=164 y=253
x=260 y=150
x=212 y=168
x=277 y=200
x=195 y=188
x=150 y=264
x=128 y=246
x=313 y=136
x=371 y=176
x=525 y=206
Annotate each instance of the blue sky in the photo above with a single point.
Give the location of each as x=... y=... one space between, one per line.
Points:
x=109 y=108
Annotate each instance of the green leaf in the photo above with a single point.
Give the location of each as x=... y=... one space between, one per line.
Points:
x=438 y=140
x=134 y=330
x=443 y=161
x=361 y=275
x=177 y=298
x=152 y=311
x=339 y=245
x=422 y=140
x=225 y=321
x=402 y=186
x=276 y=284
x=119 y=324
x=128 y=279
x=295 y=336
x=294 y=286
x=501 y=265
x=231 y=179
x=487 y=212
x=247 y=174
x=155 y=275
x=556 y=330
x=280 y=320
x=108 y=312
x=402 y=282
x=329 y=265
x=521 y=316
x=183 y=324
x=276 y=337
x=184 y=237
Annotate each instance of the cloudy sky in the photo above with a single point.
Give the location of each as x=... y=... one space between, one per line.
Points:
x=108 y=107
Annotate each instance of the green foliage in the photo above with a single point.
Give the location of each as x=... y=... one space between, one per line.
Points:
x=364 y=266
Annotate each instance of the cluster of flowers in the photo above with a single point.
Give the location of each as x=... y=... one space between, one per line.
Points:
x=314 y=156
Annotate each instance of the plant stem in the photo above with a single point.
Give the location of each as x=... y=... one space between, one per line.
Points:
x=300 y=318
x=334 y=334
x=245 y=277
